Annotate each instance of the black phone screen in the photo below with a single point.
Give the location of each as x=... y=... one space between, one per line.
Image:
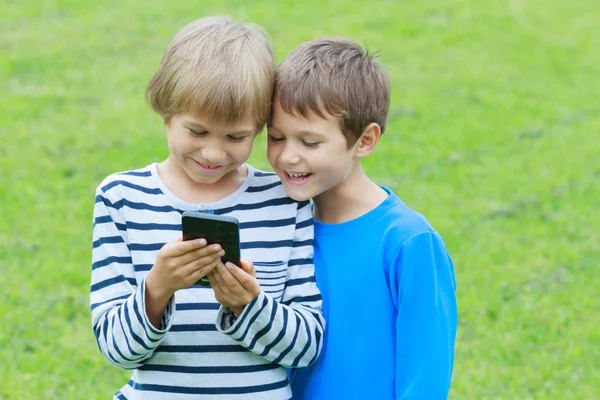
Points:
x=222 y=230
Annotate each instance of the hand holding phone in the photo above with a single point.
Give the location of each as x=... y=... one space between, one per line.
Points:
x=215 y=229
x=180 y=264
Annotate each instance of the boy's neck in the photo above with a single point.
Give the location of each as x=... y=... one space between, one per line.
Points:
x=355 y=196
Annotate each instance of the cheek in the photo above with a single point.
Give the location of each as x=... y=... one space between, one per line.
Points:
x=242 y=151
x=271 y=153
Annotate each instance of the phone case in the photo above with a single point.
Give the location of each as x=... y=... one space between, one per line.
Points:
x=216 y=229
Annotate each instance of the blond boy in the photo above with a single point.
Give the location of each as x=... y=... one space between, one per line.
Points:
x=235 y=339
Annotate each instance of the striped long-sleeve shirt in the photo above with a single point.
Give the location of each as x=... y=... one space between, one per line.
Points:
x=202 y=349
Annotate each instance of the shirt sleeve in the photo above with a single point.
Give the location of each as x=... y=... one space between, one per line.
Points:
x=123 y=331
x=289 y=333
x=425 y=296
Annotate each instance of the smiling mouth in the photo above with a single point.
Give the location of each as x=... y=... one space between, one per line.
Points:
x=297 y=177
x=207 y=167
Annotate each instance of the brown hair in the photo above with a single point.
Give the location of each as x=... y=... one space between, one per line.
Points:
x=218 y=68
x=334 y=76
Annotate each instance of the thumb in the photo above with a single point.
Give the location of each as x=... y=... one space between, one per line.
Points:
x=248 y=267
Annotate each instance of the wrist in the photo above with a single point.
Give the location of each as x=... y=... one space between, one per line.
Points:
x=237 y=310
x=155 y=290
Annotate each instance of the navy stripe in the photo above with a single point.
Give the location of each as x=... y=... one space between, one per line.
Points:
x=273 y=278
x=110 y=260
x=304 y=203
x=142 y=322
x=107 y=240
x=237 y=369
x=120 y=396
x=291 y=346
x=193 y=328
x=280 y=336
x=254 y=318
x=256 y=189
x=107 y=282
x=266 y=245
x=308 y=242
x=229 y=348
x=211 y=390
x=250 y=305
x=95 y=305
x=135 y=206
x=243 y=225
x=130 y=326
x=254 y=206
x=300 y=281
x=133 y=353
x=130 y=185
x=197 y=306
x=272 y=284
x=268 y=263
x=318 y=340
x=260 y=173
x=153 y=227
x=146 y=246
x=299 y=261
x=267 y=223
x=102 y=220
x=266 y=329
x=135 y=173
x=142 y=267
x=271 y=272
x=301 y=299
x=304 y=224
x=308 y=342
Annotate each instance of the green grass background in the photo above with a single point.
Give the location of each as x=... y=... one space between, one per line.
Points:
x=493 y=134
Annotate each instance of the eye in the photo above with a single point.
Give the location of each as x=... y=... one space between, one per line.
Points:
x=196 y=133
x=310 y=145
x=276 y=139
x=236 y=138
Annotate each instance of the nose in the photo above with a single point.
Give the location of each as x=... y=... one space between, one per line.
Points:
x=288 y=156
x=213 y=155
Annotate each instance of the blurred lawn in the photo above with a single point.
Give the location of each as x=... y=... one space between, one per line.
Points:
x=493 y=134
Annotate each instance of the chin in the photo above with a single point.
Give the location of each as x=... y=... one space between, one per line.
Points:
x=298 y=195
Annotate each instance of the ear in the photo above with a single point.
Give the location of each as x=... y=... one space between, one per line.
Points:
x=368 y=140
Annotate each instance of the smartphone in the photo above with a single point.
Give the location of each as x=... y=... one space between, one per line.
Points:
x=216 y=229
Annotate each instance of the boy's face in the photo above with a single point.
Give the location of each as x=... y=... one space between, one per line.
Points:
x=208 y=151
x=310 y=155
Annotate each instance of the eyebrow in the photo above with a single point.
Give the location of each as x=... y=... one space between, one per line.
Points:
x=301 y=132
x=199 y=126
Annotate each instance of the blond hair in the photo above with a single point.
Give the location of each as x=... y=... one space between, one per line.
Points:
x=218 y=68
x=334 y=76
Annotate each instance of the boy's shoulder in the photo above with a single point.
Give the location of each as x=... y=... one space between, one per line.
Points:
x=403 y=223
x=140 y=179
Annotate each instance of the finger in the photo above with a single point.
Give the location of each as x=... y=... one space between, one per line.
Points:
x=222 y=293
x=215 y=285
x=248 y=267
x=247 y=281
x=213 y=252
x=177 y=248
x=197 y=274
x=225 y=280
x=232 y=274
x=202 y=264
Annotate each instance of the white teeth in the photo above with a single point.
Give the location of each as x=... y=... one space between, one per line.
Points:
x=298 y=176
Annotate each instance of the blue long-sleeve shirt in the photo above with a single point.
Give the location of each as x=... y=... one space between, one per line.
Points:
x=388 y=290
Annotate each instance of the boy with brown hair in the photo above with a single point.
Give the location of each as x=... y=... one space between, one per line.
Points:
x=387 y=281
x=236 y=338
